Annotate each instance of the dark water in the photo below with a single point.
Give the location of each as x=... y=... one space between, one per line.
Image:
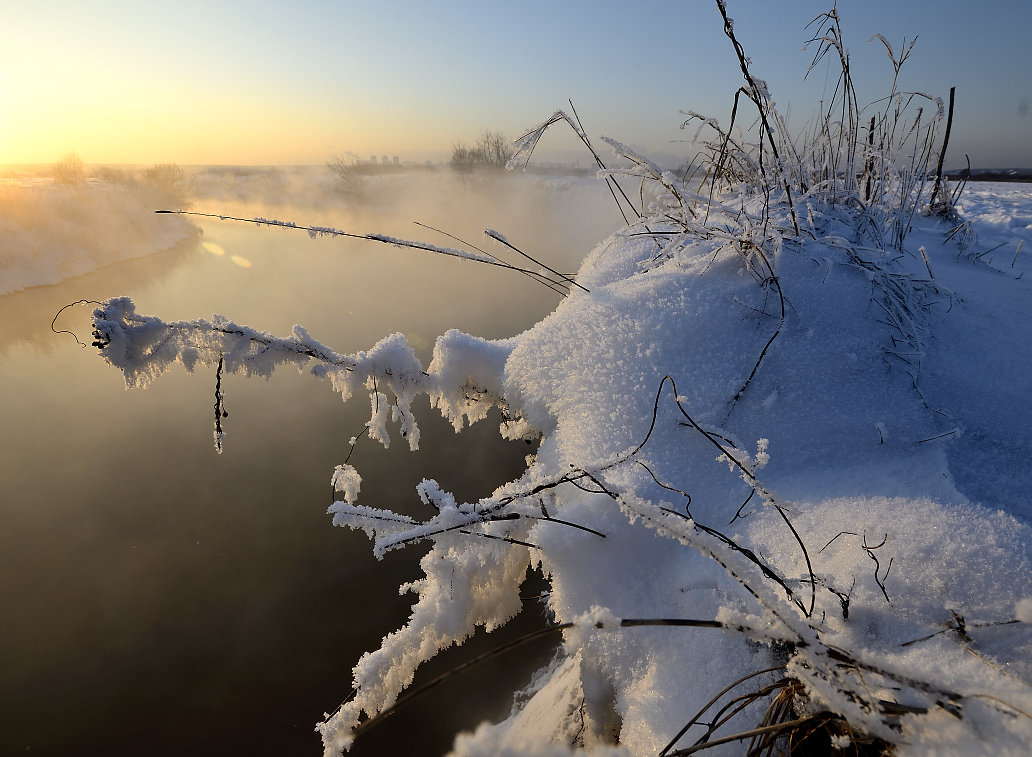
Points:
x=158 y=598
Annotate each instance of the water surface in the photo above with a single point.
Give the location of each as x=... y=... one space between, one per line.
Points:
x=161 y=599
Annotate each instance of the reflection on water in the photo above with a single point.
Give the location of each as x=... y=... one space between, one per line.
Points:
x=26 y=315
x=214 y=249
x=161 y=599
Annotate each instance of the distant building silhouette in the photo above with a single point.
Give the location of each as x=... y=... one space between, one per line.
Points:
x=372 y=159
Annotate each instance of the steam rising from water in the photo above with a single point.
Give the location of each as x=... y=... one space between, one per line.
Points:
x=352 y=292
x=547 y=214
x=50 y=232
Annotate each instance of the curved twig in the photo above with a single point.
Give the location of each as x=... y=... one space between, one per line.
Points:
x=53 y=323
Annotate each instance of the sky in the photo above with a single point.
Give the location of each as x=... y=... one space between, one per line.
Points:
x=261 y=82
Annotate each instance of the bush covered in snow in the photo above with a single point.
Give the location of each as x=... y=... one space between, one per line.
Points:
x=753 y=500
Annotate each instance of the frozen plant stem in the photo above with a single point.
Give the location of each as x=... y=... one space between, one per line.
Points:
x=938 y=189
x=220 y=407
x=758 y=97
x=317 y=231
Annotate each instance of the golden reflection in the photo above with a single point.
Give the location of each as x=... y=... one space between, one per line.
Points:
x=220 y=251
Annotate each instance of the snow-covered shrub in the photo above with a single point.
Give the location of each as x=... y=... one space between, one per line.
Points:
x=70 y=170
x=167 y=186
x=741 y=498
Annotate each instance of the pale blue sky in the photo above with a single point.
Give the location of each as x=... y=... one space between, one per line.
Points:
x=272 y=82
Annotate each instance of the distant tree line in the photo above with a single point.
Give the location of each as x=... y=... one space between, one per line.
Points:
x=990 y=174
x=345 y=169
x=491 y=150
x=164 y=185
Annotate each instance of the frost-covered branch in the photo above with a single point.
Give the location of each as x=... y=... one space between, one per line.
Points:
x=144 y=348
x=476 y=255
x=526 y=144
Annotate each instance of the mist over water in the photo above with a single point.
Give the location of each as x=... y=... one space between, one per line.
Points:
x=162 y=599
x=51 y=231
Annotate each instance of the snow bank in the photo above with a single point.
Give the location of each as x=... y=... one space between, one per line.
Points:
x=50 y=232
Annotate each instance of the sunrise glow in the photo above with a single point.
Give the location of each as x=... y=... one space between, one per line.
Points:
x=228 y=84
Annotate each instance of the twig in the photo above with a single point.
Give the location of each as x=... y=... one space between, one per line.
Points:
x=880 y=580
x=755 y=482
x=712 y=702
x=220 y=407
x=924 y=256
x=942 y=155
x=757 y=97
x=774 y=728
x=610 y=181
x=499 y=238
x=411 y=694
x=571 y=524
x=553 y=285
x=959 y=628
x=688 y=496
x=781 y=322
x=738 y=512
x=951 y=432
x=53 y=323
x=981 y=255
x=681 y=622
x=315 y=231
x=840 y=533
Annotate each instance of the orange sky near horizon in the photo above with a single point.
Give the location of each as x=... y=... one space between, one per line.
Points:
x=135 y=84
x=259 y=83
x=118 y=123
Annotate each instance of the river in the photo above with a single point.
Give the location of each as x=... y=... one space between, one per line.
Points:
x=160 y=599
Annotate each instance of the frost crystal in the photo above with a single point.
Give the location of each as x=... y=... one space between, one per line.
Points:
x=346 y=481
